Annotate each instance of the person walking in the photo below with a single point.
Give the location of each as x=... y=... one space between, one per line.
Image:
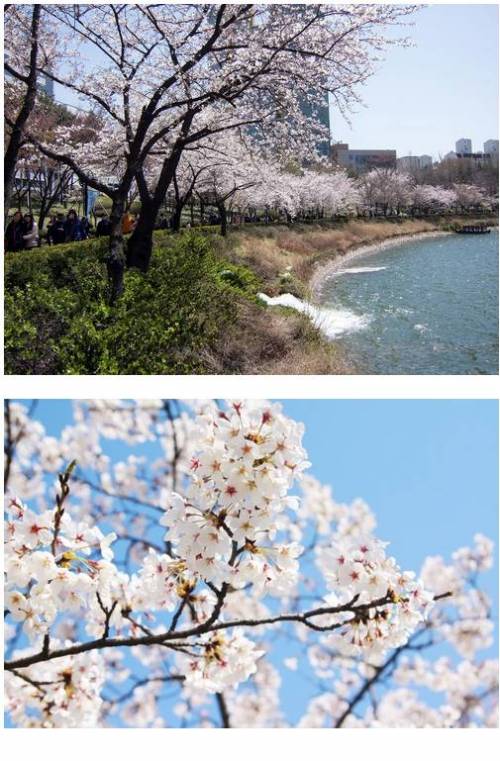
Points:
x=103 y=227
x=56 y=232
x=30 y=231
x=73 y=227
x=14 y=240
x=85 y=225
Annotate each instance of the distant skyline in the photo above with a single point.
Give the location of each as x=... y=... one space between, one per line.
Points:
x=424 y=98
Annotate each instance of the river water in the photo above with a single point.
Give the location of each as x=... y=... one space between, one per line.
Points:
x=427 y=306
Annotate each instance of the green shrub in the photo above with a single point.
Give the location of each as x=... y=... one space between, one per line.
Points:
x=57 y=318
x=240 y=278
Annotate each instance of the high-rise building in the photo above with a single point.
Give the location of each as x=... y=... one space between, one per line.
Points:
x=410 y=163
x=491 y=147
x=321 y=114
x=464 y=145
x=362 y=160
x=46 y=84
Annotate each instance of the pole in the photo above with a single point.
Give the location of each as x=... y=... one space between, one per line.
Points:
x=85 y=200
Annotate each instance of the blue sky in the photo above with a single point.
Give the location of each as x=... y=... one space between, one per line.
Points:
x=422 y=99
x=428 y=468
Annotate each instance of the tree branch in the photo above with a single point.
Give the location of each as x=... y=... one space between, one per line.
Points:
x=224 y=713
x=209 y=625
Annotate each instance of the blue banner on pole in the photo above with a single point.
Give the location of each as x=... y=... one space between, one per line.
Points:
x=91 y=199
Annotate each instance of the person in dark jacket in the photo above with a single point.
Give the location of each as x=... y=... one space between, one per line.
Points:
x=52 y=221
x=14 y=234
x=56 y=232
x=73 y=227
x=85 y=227
x=103 y=227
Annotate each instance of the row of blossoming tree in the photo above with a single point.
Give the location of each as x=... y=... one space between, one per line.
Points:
x=231 y=175
x=166 y=588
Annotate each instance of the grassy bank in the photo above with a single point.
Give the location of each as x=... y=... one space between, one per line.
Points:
x=196 y=311
x=285 y=257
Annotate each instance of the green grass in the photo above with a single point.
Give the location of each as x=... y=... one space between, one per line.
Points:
x=58 y=321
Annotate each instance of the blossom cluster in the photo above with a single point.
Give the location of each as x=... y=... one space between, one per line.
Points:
x=395 y=601
x=463 y=684
x=224 y=661
x=226 y=525
x=57 y=694
x=51 y=566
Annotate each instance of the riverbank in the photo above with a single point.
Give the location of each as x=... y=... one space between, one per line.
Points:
x=286 y=257
x=197 y=310
x=324 y=271
x=293 y=261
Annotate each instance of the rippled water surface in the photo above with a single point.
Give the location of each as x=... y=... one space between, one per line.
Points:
x=429 y=306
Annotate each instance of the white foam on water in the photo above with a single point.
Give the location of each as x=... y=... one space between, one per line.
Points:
x=357 y=271
x=332 y=322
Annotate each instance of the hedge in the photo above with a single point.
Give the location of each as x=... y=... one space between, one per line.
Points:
x=58 y=321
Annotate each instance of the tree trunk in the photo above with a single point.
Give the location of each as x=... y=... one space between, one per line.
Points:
x=179 y=202
x=115 y=260
x=30 y=206
x=176 y=216
x=140 y=243
x=15 y=140
x=41 y=220
x=221 y=207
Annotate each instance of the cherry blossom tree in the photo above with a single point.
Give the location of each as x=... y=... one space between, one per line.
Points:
x=24 y=53
x=329 y=193
x=231 y=168
x=468 y=196
x=184 y=182
x=431 y=199
x=386 y=190
x=232 y=172
x=134 y=583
